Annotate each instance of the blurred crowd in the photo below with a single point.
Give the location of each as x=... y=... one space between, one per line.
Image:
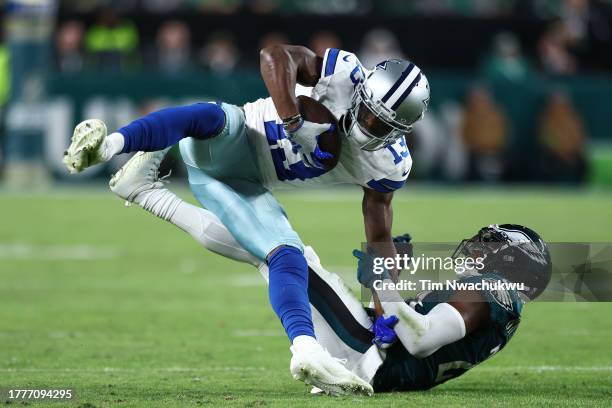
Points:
x=470 y=139
x=472 y=8
x=113 y=40
x=113 y=44
x=5 y=82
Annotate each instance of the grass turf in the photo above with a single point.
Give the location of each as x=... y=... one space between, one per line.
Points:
x=128 y=311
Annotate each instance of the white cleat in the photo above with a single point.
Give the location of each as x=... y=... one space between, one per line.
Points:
x=139 y=174
x=87 y=146
x=312 y=364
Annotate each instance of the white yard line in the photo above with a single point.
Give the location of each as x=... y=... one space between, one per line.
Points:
x=543 y=368
x=132 y=370
x=549 y=368
x=258 y=333
x=24 y=251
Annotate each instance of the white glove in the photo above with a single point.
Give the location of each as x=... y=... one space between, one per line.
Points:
x=306 y=135
x=90 y=145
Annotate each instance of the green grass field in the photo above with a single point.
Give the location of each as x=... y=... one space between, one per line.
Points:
x=128 y=311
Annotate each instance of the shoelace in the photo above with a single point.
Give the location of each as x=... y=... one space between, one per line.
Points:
x=164 y=179
x=342 y=361
x=154 y=171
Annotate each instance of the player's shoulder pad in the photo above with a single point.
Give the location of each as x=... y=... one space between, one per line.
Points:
x=336 y=60
x=395 y=165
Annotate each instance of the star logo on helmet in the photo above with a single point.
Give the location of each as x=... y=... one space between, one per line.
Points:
x=383 y=65
x=426 y=103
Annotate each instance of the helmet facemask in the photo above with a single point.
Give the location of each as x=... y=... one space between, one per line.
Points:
x=521 y=260
x=472 y=248
x=374 y=120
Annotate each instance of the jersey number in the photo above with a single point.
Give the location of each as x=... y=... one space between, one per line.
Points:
x=284 y=169
x=403 y=153
x=452 y=369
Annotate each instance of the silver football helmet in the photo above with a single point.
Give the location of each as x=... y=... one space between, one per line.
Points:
x=386 y=104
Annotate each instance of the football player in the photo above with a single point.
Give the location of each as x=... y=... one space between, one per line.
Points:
x=236 y=155
x=443 y=333
x=413 y=344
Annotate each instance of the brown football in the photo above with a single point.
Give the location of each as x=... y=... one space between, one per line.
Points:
x=329 y=142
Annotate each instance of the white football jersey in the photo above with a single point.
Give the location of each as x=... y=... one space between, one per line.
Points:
x=282 y=164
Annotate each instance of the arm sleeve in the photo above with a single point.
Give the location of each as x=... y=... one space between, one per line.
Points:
x=422 y=335
x=164 y=128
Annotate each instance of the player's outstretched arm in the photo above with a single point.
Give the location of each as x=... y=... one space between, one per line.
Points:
x=422 y=335
x=378 y=221
x=90 y=144
x=465 y=312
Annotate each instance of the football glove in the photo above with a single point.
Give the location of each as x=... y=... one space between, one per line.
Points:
x=403 y=245
x=365 y=270
x=403 y=239
x=384 y=335
x=307 y=137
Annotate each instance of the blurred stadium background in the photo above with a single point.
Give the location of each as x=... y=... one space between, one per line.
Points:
x=131 y=312
x=520 y=89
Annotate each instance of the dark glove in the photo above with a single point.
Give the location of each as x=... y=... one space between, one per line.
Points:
x=365 y=269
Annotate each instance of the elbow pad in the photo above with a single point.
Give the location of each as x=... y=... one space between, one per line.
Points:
x=441 y=326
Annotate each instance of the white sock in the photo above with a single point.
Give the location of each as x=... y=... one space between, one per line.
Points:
x=201 y=224
x=113 y=145
x=304 y=341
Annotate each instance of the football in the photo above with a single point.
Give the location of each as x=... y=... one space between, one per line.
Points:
x=330 y=142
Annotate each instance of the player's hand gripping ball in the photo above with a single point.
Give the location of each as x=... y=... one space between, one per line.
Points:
x=319 y=128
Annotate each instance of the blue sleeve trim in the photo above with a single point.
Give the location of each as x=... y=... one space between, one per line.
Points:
x=332 y=58
x=166 y=127
x=385 y=185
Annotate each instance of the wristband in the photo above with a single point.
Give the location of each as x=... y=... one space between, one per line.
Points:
x=292 y=121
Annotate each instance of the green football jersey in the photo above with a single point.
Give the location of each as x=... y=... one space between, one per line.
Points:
x=401 y=371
